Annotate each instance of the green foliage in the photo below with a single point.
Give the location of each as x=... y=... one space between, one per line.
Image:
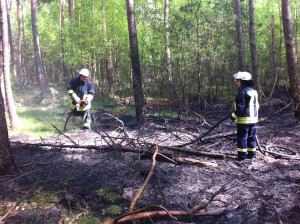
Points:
x=109 y=194
x=114 y=210
x=202 y=43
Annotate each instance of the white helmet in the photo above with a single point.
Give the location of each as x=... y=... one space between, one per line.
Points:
x=85 y=72
x=242 y=76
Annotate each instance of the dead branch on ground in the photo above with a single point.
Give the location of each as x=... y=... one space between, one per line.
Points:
x=143 y=213
x=142 y=188
x=165 y=157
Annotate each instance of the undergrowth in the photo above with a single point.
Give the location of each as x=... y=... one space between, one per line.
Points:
x=38 y=115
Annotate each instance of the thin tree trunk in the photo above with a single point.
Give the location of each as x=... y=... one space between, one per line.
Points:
x=71 y=18
x=239 y=36
x=24 y=65
x=11 y=48
x=37 y=50
x=273 y=56
x=254 y=58
x=135 y=62
x=108 y=58
x=291 y=56
x=6 y=70
x=172 y=91
x=63 y=67
x=296 y=23
x=21 y=73
x=71 y=12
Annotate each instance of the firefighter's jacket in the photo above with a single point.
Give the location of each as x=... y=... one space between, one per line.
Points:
x=81 y=90
x=246 y=106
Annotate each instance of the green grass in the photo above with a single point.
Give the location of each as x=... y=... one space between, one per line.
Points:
x=37 y=121
x=36 y=114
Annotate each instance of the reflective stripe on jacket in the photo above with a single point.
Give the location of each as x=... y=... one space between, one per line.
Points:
x=246 y=106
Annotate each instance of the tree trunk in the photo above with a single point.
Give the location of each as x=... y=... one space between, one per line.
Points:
x=21 y=68
x=239 y=36
x=274 y=63
x=6 y=70
x=254 y=59
x=108 y=58
x=37 y=50
x=11 y=48
x=291 y=56
x=5 y=155
x=135 y=62
x=71 y=12
x=63 y=67
x=172 y=91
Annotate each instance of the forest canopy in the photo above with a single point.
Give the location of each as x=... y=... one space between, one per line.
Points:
x=202 y=41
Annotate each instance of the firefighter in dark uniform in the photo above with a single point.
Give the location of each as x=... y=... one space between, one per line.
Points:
x=245 y=115
x=82 y=91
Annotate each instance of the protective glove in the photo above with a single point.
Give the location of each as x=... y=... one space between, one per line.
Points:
x=74 y=97
x=89 y=99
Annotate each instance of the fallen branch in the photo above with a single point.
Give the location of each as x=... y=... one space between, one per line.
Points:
x=143 y=215
x=127 y=149
x=142 y=188
x=190 y=161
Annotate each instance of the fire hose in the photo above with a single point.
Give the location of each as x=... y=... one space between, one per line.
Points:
x=272 y=149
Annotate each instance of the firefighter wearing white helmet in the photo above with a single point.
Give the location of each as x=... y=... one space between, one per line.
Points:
x=85 y=72
x=245 y=115
x=243 y=76
x=81 y=92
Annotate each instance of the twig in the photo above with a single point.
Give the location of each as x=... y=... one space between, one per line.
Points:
x=203 y=135
x=64 y=134
x=202 y=206
x=122 y=123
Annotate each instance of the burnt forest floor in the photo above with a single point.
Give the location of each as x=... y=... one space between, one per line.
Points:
x=90 y=177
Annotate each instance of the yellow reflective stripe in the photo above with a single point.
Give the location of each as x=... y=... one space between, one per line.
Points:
x=234 y=116
x=246 y=120
x=81 y=108
x=251 y=149
x=86 y=124
x=242 y=150
x=70 y=91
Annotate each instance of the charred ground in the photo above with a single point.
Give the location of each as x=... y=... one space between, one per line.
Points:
x=57 y=183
